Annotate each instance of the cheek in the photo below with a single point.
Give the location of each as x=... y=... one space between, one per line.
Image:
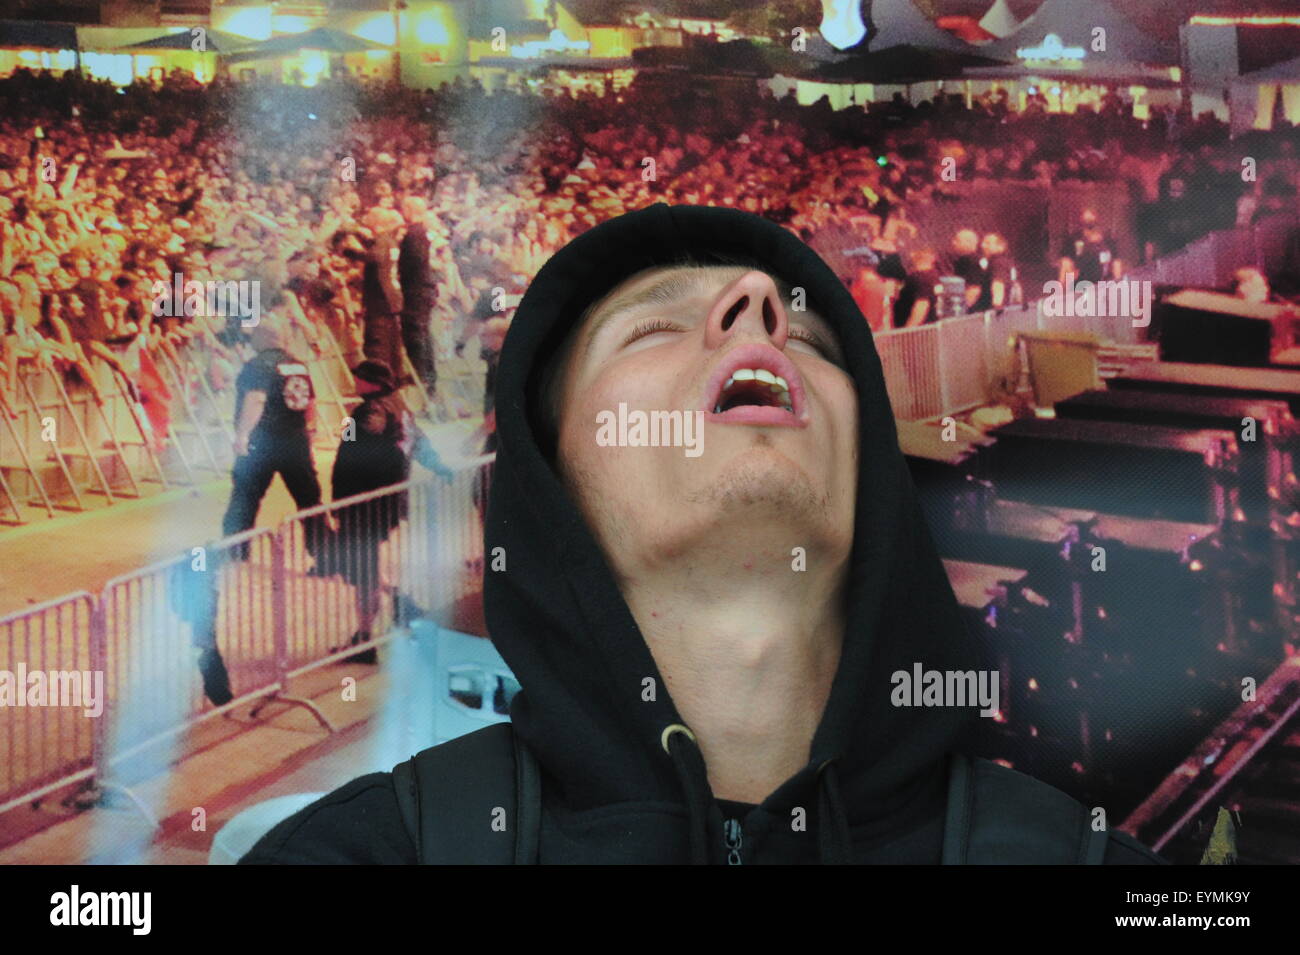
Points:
x=642 y=382
x=839 y=401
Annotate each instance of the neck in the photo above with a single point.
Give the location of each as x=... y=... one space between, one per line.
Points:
x=748 y=656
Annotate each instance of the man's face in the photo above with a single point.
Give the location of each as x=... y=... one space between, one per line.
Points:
x=769 y=478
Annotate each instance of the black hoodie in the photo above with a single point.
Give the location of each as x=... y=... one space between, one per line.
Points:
x=874 y=787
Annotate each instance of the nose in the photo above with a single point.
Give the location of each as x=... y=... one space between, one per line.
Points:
x=750 y=307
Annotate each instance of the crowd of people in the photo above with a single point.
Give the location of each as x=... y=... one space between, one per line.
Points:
x=401 y=219
x=402 y=224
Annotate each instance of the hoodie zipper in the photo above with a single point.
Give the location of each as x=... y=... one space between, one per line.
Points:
x=732 y=836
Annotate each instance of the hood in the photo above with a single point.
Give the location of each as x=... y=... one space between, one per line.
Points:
x=560 y=622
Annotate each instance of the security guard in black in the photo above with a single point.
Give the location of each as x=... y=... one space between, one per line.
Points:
x=279 y=441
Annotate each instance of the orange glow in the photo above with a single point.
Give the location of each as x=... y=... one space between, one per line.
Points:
x=1251 y=21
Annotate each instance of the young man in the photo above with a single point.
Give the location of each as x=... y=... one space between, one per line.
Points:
x=705 y=631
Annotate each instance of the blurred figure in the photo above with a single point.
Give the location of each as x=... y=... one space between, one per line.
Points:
x=418 y=284
x=994 y=271
x=194 y=596
x=381 y=293
x=375 y=454
x=965 y=263
x=872 y=292
x=1252 y=285
x=1089 y=254
x=915 y=304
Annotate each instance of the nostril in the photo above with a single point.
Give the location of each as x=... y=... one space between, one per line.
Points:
x=732 y=312
x=769 y=316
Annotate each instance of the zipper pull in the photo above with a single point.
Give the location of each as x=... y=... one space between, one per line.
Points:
x=732 y=833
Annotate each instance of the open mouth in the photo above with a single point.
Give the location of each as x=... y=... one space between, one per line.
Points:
x=754 y=386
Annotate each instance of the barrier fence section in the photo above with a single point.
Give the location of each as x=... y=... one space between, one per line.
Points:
x=1212 y=259
x=277 y=602
x=412 y=550
x=158 y=619
x=948 y=366
x=966 y=361
x=44 y=747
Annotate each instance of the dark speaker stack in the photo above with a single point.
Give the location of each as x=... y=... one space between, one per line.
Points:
x=1138 y=551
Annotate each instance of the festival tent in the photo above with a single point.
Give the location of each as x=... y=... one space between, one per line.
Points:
x=322 y=38
x=735 y=58
x=901 y=65
x=37 y=35
x=1124 y=42
x=1262 y=97
x=871 y=77
x=999 y=20
x=304 y=58
x=39 y=44
x=900 y=23
x=213 y=41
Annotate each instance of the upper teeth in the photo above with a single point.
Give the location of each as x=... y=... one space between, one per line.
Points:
x=775 y=382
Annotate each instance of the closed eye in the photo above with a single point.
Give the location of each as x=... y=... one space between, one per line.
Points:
x=652 y=325
x=649 y=327
x=812 y=338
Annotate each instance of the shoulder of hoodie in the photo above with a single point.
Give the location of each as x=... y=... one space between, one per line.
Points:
x=1121 y=848
x=360 y=823
x=357 y=824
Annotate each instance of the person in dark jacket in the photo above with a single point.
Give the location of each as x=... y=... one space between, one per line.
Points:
x=707 y=642
x=375 y=453
x=381 y=292
x=418 y=285
x=275 y=419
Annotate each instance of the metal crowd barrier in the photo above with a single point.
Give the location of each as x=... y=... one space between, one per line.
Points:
x=963 y=362
x=156 y=619
x=43 y=748
x=414 y=549
x=1212 y=259
x=275 y=604
x=959 y=363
